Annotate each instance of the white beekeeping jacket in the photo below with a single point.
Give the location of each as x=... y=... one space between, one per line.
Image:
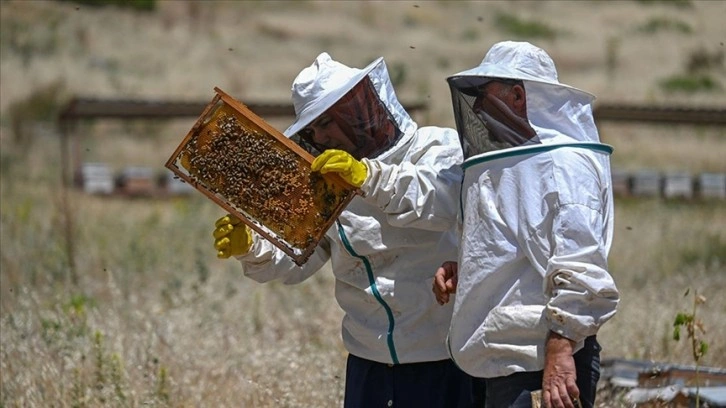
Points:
x=386 y=246
x=537 y=223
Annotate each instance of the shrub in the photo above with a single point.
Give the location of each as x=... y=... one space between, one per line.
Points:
x=690 y=84
x=673 y=3
x=513 y=25
x=43 y=104
x=657 y=24
x=140 y=5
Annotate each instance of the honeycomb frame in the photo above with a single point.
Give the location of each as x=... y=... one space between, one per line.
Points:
x=254 y=172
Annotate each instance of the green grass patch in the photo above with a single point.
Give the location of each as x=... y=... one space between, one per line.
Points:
x=658 y=24
x=511 y=24
x=470 y=34
x=672 y=3
x=711 y=252
x=690 y=84
x=140 y=5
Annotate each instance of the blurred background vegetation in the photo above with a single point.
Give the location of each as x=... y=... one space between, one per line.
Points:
x=113 y=301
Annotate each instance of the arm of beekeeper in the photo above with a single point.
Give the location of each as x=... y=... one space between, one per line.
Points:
x=422 y=190
x=260 y=259
x=266 y=262
x=581 y=293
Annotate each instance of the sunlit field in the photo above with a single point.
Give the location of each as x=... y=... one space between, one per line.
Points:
x=121 y=302
x=153 y=317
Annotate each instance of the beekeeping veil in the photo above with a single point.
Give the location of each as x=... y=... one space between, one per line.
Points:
x=348 y=96
x=556 y=113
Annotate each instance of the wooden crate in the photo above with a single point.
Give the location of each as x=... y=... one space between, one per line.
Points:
x=136 y=181
x=621 y=183
x=253 y=171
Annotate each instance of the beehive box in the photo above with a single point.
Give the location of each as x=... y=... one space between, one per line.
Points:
x=712 y=185
x=646 y=183
x=253 y=171
x=95 y=178
x=678 y=185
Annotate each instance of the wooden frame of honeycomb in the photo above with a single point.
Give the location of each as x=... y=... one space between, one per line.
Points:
x=256 y=173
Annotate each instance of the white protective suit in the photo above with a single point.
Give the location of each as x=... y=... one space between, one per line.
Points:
x=537 y=223
x=385 y=246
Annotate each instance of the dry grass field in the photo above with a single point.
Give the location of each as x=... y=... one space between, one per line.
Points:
x=111 y=301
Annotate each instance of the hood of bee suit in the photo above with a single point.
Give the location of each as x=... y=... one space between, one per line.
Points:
x=322 y=84
x=557 y=112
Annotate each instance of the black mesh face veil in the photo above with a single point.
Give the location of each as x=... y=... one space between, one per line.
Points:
x=305 y=144
x=485 y=123
x=359 y=117
x=473 y=135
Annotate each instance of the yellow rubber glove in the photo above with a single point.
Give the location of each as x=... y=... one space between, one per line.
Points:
x=231 y=237
x=341 y=162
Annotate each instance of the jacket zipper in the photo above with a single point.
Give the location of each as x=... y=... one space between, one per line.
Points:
x=374 y=289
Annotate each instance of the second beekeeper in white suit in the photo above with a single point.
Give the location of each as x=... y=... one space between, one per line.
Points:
x=532 y=283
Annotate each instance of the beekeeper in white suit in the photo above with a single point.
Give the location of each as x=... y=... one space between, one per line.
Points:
x=532 y=283
x=386 y=245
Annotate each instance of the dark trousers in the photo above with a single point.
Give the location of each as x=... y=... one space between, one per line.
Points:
x=513 y=391
x=436 y=384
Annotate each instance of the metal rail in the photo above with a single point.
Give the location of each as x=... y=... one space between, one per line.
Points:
x=660 y=114
x=88 y=108
x=91 y=108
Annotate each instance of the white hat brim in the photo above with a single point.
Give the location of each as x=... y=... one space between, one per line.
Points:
x=483 y=73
